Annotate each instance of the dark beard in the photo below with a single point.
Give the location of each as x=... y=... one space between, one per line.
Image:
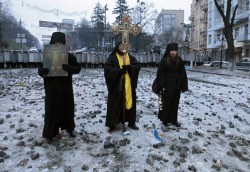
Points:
x=173 y=59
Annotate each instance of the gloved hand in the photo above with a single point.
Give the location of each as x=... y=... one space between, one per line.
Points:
x=127 y=67
x=65 y=67
x=123 y=71
x=43 y=71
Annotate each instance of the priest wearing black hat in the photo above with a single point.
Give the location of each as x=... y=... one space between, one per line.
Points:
x=172 y=81
x=59 y=98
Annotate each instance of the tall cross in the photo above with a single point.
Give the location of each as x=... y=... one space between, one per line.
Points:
x=125 y=28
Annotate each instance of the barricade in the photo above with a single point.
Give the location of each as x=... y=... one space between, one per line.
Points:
x=149 y=59
x=94 y=60
x=25 y=55
x=79 y=58
x=1 y=59
x=84 y=59
x=89 y=56
x=34 y=59
x=19 y=59
x=41 y=57
x=100 y=60
x=7 y=60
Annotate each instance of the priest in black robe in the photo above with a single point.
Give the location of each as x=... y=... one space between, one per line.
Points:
x=59 y=97
x=172 y=81
x=118 y=70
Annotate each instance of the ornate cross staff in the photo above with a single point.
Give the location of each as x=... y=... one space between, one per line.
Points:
x=126 y=28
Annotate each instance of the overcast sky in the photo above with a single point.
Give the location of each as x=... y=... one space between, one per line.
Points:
x=31 y=11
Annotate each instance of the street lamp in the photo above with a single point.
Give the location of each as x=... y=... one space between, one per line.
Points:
x=220 y=38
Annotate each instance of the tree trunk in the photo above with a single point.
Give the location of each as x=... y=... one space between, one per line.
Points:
x=230 y=47
x=228 y=19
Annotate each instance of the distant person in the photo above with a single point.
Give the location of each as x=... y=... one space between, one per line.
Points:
x=59 y=98
x=121 y=105
x=172 y=81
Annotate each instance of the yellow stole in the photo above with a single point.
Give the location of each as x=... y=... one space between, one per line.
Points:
x=128 y=90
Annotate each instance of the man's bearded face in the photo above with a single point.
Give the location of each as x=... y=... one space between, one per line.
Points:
x=173 y=53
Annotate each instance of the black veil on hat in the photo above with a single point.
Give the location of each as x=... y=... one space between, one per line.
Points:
x=170 y=47
x=58 y=37
x=116 y=49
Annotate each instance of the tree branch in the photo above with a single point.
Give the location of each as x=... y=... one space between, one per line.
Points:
x=234 y=14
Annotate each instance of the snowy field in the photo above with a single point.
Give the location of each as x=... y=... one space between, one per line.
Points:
x=214 y=113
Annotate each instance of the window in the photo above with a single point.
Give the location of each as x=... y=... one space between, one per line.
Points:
x=247 y=5
x=167 y=16
x=209 y=39
x=210 y=7
x=236 y=32
x=210 y=23
x=215 y=39
x=246 y=29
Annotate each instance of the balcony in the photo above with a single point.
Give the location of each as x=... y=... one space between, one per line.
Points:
x=218 y=25
x=203 y=20
x=202 y=45
x=204 y=7
x=242 y=16
x=242 y=38
x=203 y=33
x=218 y=44
x=191 y=18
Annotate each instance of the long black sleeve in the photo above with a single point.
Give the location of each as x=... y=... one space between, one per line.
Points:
x=42 y=71
x=73 y=66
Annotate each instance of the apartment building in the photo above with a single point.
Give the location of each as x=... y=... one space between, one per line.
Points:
x=199 y=22
x=168 y=20
x=242 y=28
x=216 y=42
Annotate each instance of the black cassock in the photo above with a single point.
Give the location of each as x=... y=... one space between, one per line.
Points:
x=173 y=78
x=59 y=101
x=115 y=95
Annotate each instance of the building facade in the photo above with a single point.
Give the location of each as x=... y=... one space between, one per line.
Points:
x=242 y=28
x=198 y=19
x=168 y=21
x=207 y=38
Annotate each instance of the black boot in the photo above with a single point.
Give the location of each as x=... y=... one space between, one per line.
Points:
x=72 y=133
x=165 y=123
x=111 y=128
x=133 y=126
x=177 y=124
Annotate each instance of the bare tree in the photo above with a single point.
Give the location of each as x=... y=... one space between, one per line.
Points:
x=10 y=27
x=228 y=19
x=144 y=14
x=170 y=36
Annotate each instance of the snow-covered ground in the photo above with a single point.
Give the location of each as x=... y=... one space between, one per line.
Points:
x=215 y=132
